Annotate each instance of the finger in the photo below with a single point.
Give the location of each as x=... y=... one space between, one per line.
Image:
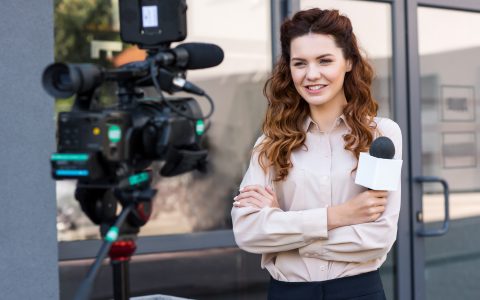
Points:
x=245 y=194
x=250 y=202
x=270 y=190
x=379 y=193
x=244 y=202
x=254 y=194
x=381 y=201
x=376 y=201
x=257 y=188
x=270 y=201
x=375 y=217
x=377 y=209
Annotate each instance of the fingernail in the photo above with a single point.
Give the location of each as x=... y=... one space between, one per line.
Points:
x=235 y=198
x=236 y=203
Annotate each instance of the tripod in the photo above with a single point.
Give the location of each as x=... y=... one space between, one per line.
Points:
x=118 y=239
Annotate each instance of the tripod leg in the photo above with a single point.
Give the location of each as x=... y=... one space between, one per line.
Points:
x=121 y=284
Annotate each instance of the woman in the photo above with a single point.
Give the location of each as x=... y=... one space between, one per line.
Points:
x=321 y=236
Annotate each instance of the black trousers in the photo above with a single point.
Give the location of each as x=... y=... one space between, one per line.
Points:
x=367 y=286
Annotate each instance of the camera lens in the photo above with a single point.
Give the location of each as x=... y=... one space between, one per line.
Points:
x=57 y=81
x=64 y=80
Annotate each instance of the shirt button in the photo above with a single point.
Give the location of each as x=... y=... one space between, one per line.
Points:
x=322 y=268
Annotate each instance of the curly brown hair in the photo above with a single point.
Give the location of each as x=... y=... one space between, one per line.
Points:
x=287 y=111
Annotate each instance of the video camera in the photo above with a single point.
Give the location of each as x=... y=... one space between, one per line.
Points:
x=107 y=149
x=110 y=147
x=106 y=144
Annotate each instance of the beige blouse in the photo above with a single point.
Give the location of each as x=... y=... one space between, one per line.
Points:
x=294 y=241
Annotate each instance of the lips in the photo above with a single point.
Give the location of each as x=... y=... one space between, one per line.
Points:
x=315 y=88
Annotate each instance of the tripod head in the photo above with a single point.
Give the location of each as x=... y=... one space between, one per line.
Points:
x=100 y=203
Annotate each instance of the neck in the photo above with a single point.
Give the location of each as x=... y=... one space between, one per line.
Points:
x=326 y=114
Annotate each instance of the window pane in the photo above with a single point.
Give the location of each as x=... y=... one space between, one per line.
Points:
x=190 y=202
x=85 y=32
x=450 y=85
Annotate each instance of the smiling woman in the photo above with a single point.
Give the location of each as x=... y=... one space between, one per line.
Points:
x=318 y=232
x=318 y=69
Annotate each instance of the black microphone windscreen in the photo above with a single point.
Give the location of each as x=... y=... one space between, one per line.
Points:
x=202 y=55
x=382 y=147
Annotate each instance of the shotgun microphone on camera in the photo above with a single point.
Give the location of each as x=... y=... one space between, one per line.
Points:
x=191 y=56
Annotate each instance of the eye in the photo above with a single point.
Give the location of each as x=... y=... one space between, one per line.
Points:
x=325 y=61
x=298 y=64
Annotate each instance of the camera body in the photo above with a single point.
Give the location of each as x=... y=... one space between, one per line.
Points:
x=106 y=144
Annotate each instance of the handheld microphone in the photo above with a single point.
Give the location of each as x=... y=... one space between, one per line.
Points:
x=382 y=147
x=191 y=56
x=377 y=170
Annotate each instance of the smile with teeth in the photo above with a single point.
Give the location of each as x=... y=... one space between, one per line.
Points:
x=315 y=87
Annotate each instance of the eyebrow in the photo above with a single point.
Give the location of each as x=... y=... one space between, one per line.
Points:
x=318 y=57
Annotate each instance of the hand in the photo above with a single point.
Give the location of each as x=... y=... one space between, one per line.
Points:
x=256 y=196
x=363 y=208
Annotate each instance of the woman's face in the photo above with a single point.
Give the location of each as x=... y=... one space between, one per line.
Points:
x=318 y=69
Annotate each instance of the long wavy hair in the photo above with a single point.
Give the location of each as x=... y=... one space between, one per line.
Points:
x=287 y=110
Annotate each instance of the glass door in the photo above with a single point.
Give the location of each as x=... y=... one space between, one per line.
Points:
x=372 y=25
x=446 y=142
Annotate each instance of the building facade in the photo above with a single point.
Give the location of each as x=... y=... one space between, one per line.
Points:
x=426 y=58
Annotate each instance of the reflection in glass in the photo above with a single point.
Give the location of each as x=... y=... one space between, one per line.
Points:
x=450 y=82
x=85 y=31
x=449 y=94
x=88 y=31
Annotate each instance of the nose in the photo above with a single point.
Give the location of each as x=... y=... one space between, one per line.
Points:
x=313 y=73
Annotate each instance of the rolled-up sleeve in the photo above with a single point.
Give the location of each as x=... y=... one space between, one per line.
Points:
x=270 y=230
x=367 y=241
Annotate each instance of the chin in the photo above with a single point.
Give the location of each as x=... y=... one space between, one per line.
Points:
x=316 y=101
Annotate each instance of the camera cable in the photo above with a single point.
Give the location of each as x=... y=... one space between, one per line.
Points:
x=154 y=75
x=85 y=289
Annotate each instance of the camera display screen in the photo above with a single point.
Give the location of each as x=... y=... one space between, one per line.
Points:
x=153 y=24
x=149 y=16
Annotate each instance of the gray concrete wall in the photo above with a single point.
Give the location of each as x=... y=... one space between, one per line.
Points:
x=28 y=243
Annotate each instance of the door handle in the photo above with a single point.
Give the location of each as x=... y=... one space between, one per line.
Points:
x=446 y=192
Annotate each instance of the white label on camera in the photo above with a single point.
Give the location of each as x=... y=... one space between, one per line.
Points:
x=150 y=16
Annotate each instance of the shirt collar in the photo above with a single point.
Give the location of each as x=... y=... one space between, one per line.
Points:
x=309 y=124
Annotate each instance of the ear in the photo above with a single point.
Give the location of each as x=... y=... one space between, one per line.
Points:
x=349 y=65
